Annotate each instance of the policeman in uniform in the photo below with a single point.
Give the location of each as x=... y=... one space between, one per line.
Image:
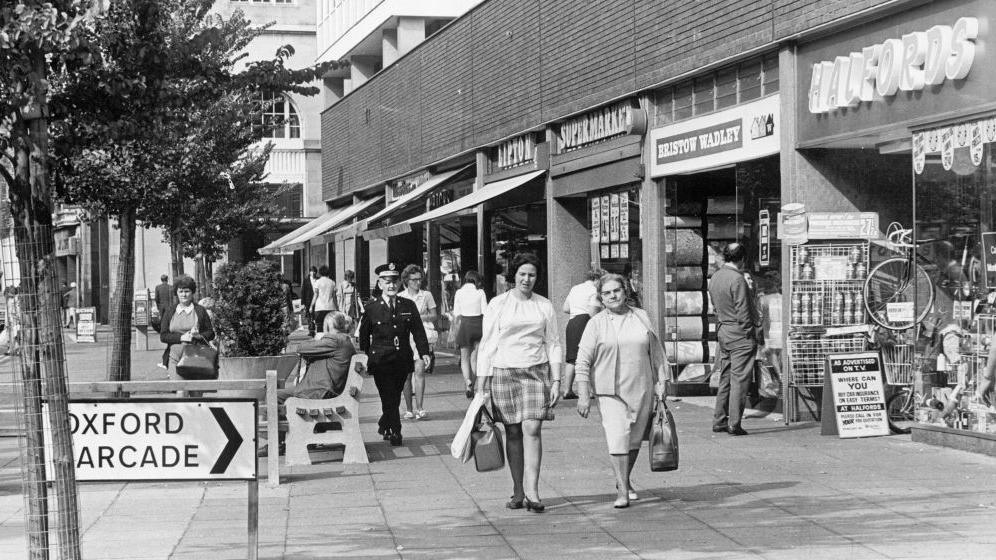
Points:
x=384 y=336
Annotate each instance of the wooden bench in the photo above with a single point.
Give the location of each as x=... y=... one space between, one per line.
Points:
x=334 y=421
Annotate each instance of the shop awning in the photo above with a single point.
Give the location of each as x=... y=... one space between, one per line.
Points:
x=387 y=231
x=419 y=191
x=484 y=194
x=297 y=239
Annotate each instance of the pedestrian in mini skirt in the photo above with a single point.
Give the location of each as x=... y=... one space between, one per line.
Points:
x=575 y=328
x=521 y=393
x=470 y=330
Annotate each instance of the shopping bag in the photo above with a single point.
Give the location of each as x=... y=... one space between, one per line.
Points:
x=453 y=330
x=460 y=448
x=198 y=361
x=486 y=443
x=768 y=384
x=663 y=439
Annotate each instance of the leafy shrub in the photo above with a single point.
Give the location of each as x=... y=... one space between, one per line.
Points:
x=249 y=309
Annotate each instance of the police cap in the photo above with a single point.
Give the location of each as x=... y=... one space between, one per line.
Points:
x=389 y=270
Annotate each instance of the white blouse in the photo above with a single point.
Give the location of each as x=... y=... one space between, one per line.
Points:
x=519 y=333
x=469 y=301
x=582 y=298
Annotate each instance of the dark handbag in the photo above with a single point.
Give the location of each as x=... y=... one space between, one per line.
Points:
x=198 y=361
x=486 y=444
x=663 y=439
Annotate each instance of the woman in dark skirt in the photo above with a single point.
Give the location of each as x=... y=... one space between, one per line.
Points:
x=469 y=303
x=581 y=304
x=520 y=364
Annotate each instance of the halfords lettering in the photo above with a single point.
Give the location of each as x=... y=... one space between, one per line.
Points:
x=917 y=60
x=596 y=126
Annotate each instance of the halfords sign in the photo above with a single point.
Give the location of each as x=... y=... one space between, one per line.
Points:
x=599 y=125
x=917 y=60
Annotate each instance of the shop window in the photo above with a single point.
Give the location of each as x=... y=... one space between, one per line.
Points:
x=726 y=88
x=705 y=95
x=614 y=225
x=750 y=80
x=289 y=199
x=770 y=74
x=664 y=101
x=683 y=101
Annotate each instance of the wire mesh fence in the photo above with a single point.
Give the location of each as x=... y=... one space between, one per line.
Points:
x=37 y=391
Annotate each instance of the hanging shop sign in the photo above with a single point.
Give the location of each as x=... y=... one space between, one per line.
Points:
x=66 y=244
x=741 y=133
x=764 y=233
x=405 y=185
x=880 y=71
x=797 y=226
x=596 y=126
x=517 y=151
x=858 y=394
x=961 y=146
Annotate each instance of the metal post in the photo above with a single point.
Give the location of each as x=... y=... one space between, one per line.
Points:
x=253 y=552
x=272 y=431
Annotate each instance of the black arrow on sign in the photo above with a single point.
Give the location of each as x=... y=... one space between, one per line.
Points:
x=234 y=440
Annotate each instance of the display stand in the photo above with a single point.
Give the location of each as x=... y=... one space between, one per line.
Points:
x=827 y=311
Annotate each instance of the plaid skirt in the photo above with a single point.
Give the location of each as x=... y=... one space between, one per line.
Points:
x=519 y=394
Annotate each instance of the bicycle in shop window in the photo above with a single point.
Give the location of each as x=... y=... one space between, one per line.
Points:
x=899 y=296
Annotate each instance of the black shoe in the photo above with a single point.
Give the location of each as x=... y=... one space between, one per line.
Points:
x=571 y=396
x=386 y=432
x=737 y=431
x=721 y=428
x=514 y=503
x=535 y=507
x=395 y=439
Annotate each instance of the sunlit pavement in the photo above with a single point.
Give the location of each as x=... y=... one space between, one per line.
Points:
x=781 y=492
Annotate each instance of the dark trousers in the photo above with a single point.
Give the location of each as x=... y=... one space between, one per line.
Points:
x=320 y=320
x=390 y=376
x=736 y=368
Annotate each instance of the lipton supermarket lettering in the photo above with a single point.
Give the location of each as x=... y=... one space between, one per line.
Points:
x=917 y=60
x=715 y=139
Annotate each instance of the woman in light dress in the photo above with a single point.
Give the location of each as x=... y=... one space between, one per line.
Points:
x=469 y=304
x=411 y=280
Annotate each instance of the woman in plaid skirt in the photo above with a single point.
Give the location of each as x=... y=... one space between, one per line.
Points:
x=519 y=365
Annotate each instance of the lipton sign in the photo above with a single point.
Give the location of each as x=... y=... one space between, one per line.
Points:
x=917 y=60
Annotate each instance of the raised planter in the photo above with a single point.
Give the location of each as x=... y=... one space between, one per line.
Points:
x=255 y=367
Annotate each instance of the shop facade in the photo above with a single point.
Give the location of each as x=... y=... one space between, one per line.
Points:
x=895 y=118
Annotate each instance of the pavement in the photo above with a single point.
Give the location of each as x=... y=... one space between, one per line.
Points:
x=783 y=492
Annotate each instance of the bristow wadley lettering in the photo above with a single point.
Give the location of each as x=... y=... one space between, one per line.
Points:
x=727 y=137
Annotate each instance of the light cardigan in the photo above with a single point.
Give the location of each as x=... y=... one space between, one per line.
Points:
x=599 y=341
x=490 y=335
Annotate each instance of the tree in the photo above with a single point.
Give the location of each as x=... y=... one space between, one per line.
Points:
x=37 y=39
x=140 y=142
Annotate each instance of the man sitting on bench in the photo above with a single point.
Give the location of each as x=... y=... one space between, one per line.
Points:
x=327 y=358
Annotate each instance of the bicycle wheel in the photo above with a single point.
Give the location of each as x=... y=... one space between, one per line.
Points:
x=899 y=411
x=893 y=282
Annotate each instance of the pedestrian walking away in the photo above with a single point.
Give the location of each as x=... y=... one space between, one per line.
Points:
x=411 y=289
x=620 y=361
x=469 y=303
x=385 y=329
x=348 y=297
x=581 y=304
x=519 y=367
x=308 y=296
x=69 y=303
x=324 y=299
x=738 y=331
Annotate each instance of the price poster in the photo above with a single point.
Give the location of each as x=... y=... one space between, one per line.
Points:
x=614 y=251
x=623 y=216
x=86 y=324
x=596 y=218
x=614 y=217
x=858 y=394
x=604 y=230
x=603 y=251
x=989 y=257
x=624 y=250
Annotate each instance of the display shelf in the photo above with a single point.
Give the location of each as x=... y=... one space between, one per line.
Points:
x=808 y=353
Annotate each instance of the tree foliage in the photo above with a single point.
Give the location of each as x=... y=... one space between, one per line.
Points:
x=249 y=309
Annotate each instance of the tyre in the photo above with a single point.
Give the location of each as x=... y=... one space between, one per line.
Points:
x=899 y=411
x=894 y=282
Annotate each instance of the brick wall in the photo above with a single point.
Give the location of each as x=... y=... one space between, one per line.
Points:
x=510 y=65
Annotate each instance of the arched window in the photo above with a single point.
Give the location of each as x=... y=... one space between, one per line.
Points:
x=280 y=118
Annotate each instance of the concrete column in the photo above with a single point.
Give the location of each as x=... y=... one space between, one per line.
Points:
x=567 y=244
x=410 y=33
x=652 y=234
x=485 y=260
x=389 y=47
x=363 y=68
x=333 y=89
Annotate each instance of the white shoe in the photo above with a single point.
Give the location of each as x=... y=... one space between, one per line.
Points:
x=408 y=415
x=420 y=414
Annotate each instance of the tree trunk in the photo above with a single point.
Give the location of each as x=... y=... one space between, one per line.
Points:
x=121 y=301
x=176 y=256
x=41 y=359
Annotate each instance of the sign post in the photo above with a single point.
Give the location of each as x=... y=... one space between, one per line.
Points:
x=167 y=440
x=854 y=381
